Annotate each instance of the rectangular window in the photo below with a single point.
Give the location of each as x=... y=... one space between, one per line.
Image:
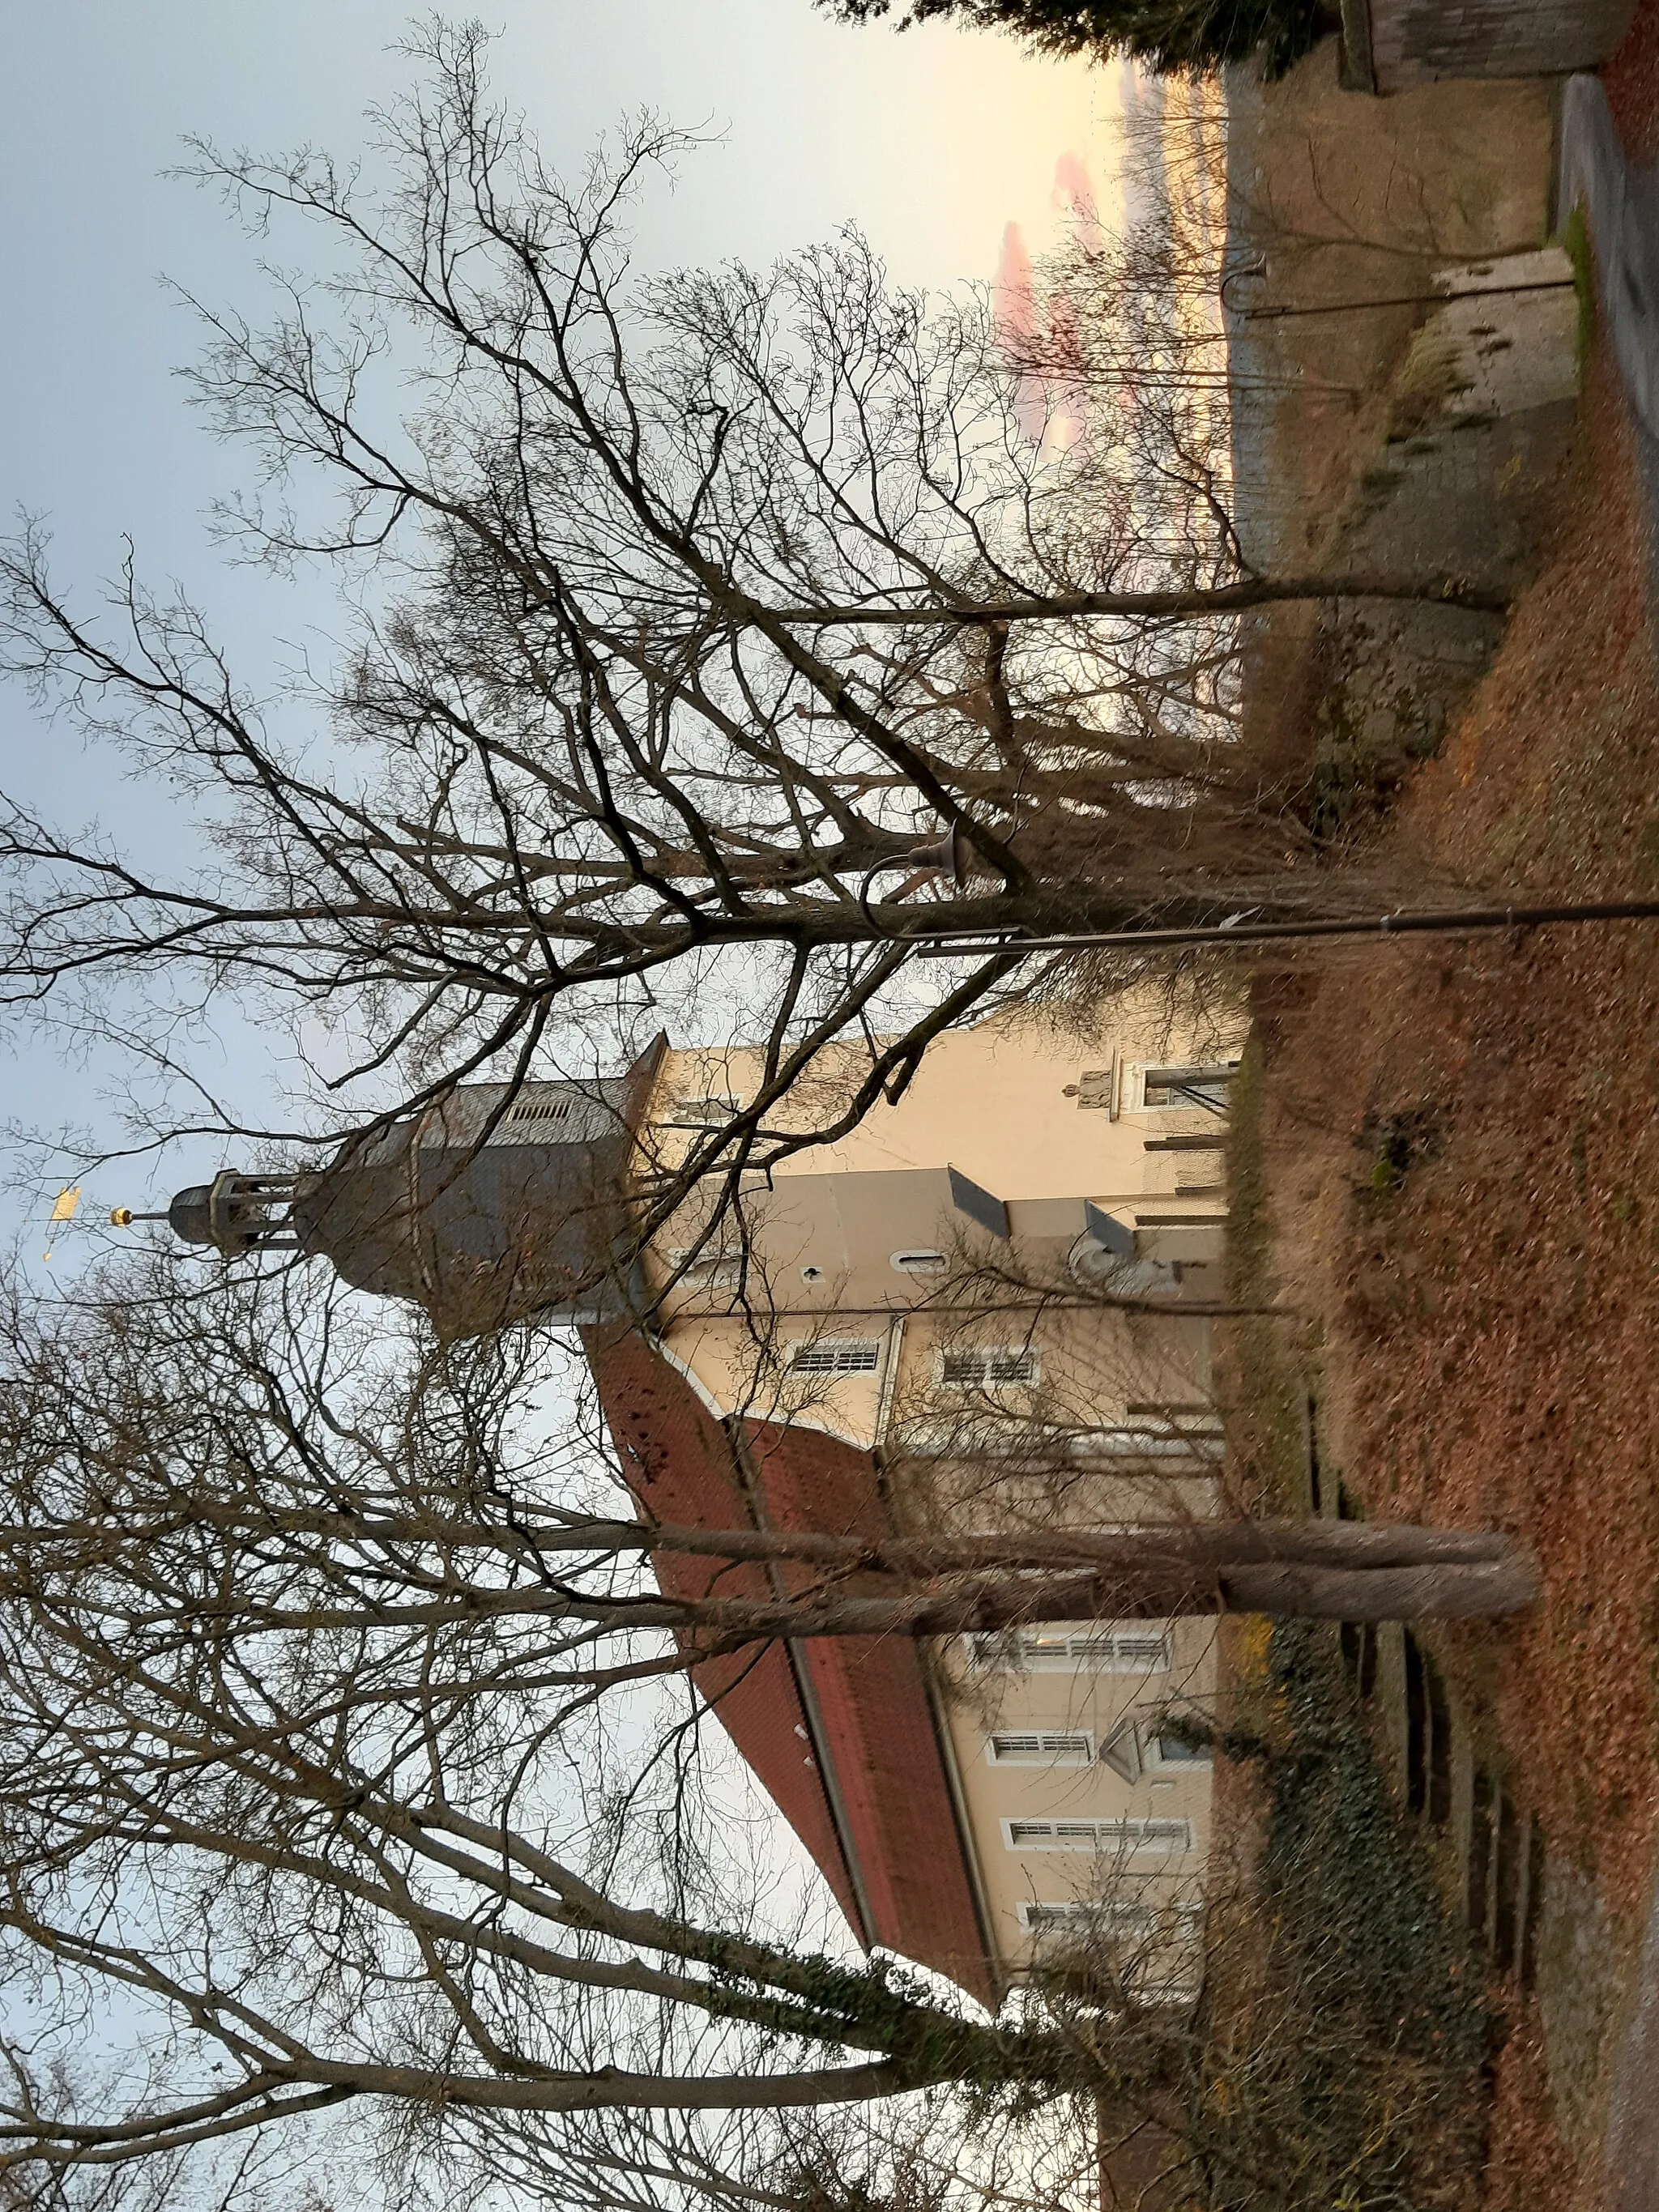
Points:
x=1133 y=1834
x=983 y=1366
x=1063 y=1649
x=1173 y=1751
x=1041 y=1748
x=836 y=1355
x=1141 y=1441
x=1130 y=1922
x=983 y=1434
x=1205 y=1087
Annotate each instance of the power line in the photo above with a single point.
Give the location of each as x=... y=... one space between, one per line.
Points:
x=960 y=944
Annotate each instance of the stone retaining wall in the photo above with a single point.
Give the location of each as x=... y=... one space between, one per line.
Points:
x=1393 y=43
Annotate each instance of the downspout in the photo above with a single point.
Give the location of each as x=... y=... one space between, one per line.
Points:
x=889 y=1373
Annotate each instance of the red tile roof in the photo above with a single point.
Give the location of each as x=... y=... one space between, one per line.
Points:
x=880 y=1825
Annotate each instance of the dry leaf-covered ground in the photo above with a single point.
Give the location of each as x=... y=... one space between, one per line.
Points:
x=1468 y=1131
x=1462 y=1141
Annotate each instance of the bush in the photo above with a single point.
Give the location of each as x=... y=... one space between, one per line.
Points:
x=1173 y=37
x=1333 y=2054
x=1350 y=2059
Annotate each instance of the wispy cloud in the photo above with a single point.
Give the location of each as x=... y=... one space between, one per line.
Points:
x=1013 y=297
x=1016 y=319
x=1074 y=188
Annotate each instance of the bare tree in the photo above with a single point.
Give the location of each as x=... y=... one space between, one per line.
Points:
x=698 y=605
x=256 y=1459
x=307 y=1640
x=327 y=1851
x=331 y=1861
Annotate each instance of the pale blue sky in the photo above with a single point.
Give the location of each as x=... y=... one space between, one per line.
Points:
x=934 y=142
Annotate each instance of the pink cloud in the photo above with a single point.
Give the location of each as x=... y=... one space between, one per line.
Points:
x=1073 y=187
x=1016 y=321
x=1013 y=292
x=1073 y=196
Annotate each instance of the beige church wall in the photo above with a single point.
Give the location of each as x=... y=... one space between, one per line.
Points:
x=1091 y=1369
x=887 y=1240
x=835 y=1229
x=1059 y=1410
x=983 y=1703
x=989 y=1101
x=891 y=1242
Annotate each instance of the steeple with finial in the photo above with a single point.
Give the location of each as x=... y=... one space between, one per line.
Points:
x=234 y=1213
x=483 y=1208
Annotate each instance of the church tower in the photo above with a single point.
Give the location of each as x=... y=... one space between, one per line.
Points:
x=482 y=1209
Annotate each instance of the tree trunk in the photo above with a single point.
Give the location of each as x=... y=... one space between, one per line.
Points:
x=1160 y=1591
x=1212 y=1544
x=976 y=1585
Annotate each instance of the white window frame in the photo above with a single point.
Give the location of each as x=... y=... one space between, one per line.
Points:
x=1130 y=1441
x=980 y=1432
x=1038 y=1915
x=1068 y=1647
x=1051 y=1748
x=830 y=1356
x=1024 y=1357
x=1177 y=1923
x=1120 y=1754
x=1122 y=1835
x=1200 y=1072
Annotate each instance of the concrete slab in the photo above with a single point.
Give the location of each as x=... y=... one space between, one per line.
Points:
x=1621 y=210
x=1632 y=2139
x=1621 y=207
